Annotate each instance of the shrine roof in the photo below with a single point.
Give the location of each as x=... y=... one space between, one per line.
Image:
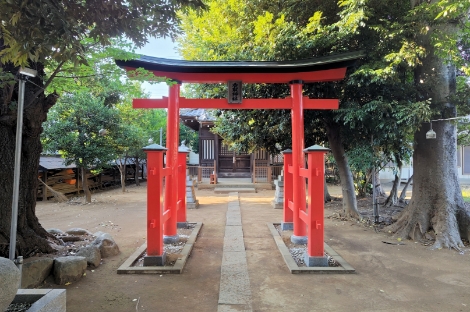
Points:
x=327 y=68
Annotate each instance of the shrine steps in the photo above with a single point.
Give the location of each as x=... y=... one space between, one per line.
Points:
x=241 y=185
x=226 y=190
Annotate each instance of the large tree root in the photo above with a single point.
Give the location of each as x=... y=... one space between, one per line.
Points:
x=449 y=224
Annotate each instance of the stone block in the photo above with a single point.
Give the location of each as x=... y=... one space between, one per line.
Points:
x=68 y=269
x=35 y=271
x=55 y=231
x=10 y=282
x=78 y=231
x=92 y=255
x=106 y=244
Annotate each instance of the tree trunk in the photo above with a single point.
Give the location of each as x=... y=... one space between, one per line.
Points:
x=326 y=193
x=403 y=192
x=345 y=174
x=136 y=173
x=31 y=236
x=85 y=187
x=122 y=171
x=392 y=198
x=437 y=202
x=379 y=191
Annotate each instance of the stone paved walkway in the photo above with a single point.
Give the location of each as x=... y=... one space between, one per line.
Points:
x=234 y=291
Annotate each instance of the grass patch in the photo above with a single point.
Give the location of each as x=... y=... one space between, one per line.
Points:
x=466 y=195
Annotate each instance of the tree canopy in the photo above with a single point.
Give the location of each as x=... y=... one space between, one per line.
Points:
x=412 y=49
x=55 y=38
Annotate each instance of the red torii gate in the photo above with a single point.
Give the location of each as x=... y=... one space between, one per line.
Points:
x=307 y=223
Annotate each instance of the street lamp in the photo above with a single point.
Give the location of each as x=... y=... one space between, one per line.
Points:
x=24 y=74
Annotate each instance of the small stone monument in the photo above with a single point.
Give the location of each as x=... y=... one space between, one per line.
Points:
x=191 y=201
x=278 y=201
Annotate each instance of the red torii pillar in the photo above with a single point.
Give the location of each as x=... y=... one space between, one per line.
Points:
x=183 y=152
x=155 y=214
x=287 y=217
x=314 y=216
x=298 y=182
x=172 y=202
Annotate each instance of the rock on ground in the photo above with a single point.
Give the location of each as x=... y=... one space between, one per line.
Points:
x=92 y=255
x=78 y=231
x=35 y=272
x=106 y=244
x=10 y=282
x=55 y=231
x=68 y=269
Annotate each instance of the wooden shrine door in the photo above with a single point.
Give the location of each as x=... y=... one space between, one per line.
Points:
x=232 y=164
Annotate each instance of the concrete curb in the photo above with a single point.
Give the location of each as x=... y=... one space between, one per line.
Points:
x=43 y=300
x=344 y=267
x=127 y=268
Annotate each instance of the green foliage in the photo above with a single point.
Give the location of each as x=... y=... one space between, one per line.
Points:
x=73 y=129
x=42 y=30
x=190 y=137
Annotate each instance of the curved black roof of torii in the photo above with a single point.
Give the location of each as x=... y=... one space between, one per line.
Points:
x=248 y=71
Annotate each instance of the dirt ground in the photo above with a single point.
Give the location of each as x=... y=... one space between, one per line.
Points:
x=389 y=277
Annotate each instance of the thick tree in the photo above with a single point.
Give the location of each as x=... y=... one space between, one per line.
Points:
x=408 y=73
x=36 y=33
x=437 y=204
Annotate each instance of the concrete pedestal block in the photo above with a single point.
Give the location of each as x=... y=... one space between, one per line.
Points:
x=182 y=225
x=300 y=240
x=171 y=239
x=316 y=261
x=287 y=226
x=155 y=260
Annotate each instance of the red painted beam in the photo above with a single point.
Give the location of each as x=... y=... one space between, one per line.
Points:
x=166 y=215
x=304 y=172
x=246 y=104
x=306 y=77
x=304 y=217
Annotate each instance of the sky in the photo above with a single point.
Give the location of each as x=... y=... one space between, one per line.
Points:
x=164 y=48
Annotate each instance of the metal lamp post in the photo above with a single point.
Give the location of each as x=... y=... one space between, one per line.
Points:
x=24 y=74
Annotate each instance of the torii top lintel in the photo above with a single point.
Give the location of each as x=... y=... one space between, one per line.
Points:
x=329 y=68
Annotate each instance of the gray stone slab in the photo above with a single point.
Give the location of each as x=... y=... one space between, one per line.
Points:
x=234 y=231
x=233 y=244
x=224 y=190
x=234 y=218
x=234 y=280
x=234 y=308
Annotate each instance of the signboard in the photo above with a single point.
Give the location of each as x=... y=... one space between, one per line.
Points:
x=234 y=92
